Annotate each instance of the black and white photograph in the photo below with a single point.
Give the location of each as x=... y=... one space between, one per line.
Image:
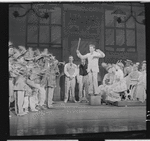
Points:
x=77 y=68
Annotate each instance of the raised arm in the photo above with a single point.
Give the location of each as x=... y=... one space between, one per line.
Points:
x=99 y=54
x=81 y=56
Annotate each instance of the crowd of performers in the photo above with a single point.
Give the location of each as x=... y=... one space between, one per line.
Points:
x=32 y=78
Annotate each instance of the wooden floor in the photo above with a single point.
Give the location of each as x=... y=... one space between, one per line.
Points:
x=73 y=118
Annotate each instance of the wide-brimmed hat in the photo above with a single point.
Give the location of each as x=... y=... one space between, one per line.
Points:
x=37 y=52
x=11 y=52
x=17 y=54
x=108 y=67
x=120 y=64
x=137 y=63
x=144 y=62
x=22 y=50
x=128 y=61
x=10 y=44
x=104 y=65
x=29 y=54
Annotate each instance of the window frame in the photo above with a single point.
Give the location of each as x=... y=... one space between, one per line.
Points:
x=50 y=25
x=115 y=28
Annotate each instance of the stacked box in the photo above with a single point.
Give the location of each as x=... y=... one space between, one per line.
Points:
x=95 y=100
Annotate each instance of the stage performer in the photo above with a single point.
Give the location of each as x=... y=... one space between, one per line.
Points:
x=49 y=78
x=20 y=84
x=108 y=80
x=128 y=67
x=140 y=92
x=93 y=67
x=82 y=79
x=11 y=75
x=70 y=71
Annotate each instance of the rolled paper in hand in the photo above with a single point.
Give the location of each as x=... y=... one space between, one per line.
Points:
x=78 y=43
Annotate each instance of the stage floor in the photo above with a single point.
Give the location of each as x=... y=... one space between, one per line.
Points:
x=72 y=118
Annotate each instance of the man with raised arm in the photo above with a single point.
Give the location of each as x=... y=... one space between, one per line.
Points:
x=93 y=67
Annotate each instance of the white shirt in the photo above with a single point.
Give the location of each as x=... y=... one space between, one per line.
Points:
x=92 y=62
x=70 y=70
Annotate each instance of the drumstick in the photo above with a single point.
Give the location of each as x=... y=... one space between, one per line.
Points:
x=78 y=43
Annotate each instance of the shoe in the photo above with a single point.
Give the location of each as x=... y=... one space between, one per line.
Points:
x=26 y=110
x=75 y=101
x=34 y=110
x=43 y=107
x=38 y=108
x=87 y=101
x=65 y=101
x=22 y=114
x=80 y=101
x=50 y=106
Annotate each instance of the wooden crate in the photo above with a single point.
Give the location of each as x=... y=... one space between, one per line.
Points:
x=95 y=100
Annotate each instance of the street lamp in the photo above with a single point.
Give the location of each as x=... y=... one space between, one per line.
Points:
x=16 y=13
x=120 y=12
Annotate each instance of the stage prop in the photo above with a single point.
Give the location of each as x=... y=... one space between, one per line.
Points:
x=128 y=103
x=95 y=100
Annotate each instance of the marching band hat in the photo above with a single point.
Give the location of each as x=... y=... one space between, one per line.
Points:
x=128 y=61
x=144 y=62
x=137 y=63
x=10 y=44
x=22 y=50
x=16 y=54
x=120 y=64
x=37 y=52
x=104 y=65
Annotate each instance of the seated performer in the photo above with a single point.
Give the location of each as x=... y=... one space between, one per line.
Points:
x=82 y=79
x=70 y=71
x=114 y=91
x=140 y=90
x=93 y=68
x=107 y=81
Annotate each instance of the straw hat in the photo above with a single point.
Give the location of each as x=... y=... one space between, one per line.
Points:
x=144 y=62
x=104 y=65
x=37 y=52
x=108 y=67
x=10 y=44
x=22 y=50
x=16 y=54
x=120 y=64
